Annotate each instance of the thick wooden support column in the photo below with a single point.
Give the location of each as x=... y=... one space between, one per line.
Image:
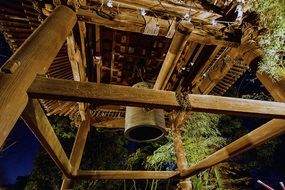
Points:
x=37 y=121
x=33 y=57
x=77 y=150
x=122 y=95
x=258 y=136
x=176 y=47
x=181 y=159
x=124 y=174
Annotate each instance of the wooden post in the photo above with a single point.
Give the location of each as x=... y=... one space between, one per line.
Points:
x=176 y=47
x=268 y=131
x=77 y=150
x=181 y=159
x=33 y=57
x=37 y=121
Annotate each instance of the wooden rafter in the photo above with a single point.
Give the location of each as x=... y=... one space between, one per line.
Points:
x=77 y=65
x=176 y=47
x=132 y=23
x=122 y=95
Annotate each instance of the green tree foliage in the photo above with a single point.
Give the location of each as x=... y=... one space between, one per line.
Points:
x=272 y=18
x=203 y=134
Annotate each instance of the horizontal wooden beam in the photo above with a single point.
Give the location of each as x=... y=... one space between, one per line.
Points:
x=268 y=131
x=131 y=22
x=124 y=174
x=164 y=7
x=46 y=88
x=37 y=121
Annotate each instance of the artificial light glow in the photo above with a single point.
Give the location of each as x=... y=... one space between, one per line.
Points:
x=110 y=3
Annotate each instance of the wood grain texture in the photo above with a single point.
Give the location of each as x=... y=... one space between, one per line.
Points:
x=176 y=47
x=124 y=174
x=128 y=96
x=131 y=22
x=38 y=123
x=33 y=57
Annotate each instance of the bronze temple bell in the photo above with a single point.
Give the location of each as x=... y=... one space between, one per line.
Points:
x=143 y=124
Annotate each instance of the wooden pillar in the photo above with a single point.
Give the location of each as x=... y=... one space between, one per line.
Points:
x=77 y=150
x=181 y=160
x=33 y=57
x=176 y=47
x=37 y=121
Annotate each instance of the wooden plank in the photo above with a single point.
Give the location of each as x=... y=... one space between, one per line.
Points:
x=132 y=23
x=249 y=141
x=124 y=174
x=38 y=123
x=77 y=150
x=34 y=56
x=46 y=88
x=163 y=7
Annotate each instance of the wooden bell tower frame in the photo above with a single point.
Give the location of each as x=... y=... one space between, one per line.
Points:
x=20 y=87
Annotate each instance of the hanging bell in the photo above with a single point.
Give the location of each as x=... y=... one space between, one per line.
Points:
x=143 y=124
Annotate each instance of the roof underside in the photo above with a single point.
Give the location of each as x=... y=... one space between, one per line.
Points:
x=126 y=54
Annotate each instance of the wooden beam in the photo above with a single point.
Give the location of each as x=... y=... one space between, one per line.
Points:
x=274 y=87
x=181 y=160
x=216 y=73
x=34 y=56
x=258 y=136
x=124 y=174
x=38 y=123
x=163 y=7
x=110 y=124
x=77 y=66
x=131 y=22
x=77 y=150
x=176 y=47
x=122 y=95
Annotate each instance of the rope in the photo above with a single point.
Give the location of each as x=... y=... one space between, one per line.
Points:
x=183 y=101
